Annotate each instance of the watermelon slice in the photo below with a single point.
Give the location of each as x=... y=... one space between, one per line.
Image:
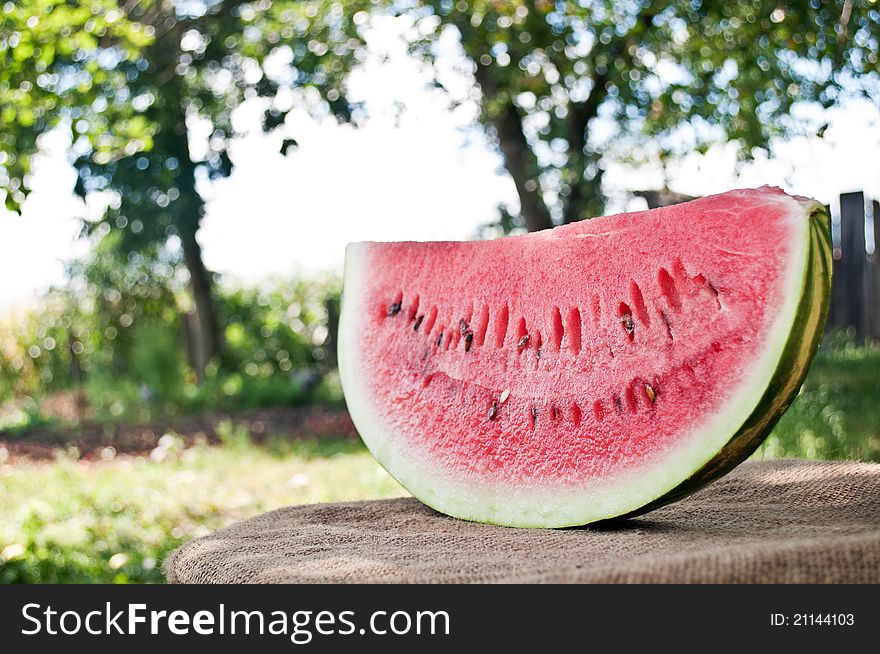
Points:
x=594 y=370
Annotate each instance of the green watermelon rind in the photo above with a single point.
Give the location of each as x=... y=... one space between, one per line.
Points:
x=711 y=449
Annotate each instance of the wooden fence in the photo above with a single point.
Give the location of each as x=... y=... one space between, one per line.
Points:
x=855 y=290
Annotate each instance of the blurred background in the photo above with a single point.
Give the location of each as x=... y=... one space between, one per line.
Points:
x=181 y=177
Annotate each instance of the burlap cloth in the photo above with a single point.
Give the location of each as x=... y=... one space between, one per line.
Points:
x=777 y=521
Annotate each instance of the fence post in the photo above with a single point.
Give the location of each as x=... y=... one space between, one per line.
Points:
x=851 y=306
x=836 y=296
x=874 y=277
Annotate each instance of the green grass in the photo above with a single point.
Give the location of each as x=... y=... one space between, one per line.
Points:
x=836 y=415
x=115 y=520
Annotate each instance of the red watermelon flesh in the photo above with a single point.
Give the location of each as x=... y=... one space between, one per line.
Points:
x=587 y=371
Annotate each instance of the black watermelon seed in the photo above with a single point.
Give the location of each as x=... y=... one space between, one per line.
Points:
x=440 y=339
x=418 y=323
x=493 y=411
x=534 y=414
x=394 y=309
x=468 y=339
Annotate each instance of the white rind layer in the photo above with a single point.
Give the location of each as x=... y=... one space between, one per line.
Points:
x=484 y=499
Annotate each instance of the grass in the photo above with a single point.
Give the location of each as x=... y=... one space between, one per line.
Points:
x=836 y=415
x=115 y=520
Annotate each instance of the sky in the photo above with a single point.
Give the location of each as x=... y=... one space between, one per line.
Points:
x=421 y=175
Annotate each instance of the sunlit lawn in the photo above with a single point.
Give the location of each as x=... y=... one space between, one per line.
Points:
x=115 y=520
x=837 y=412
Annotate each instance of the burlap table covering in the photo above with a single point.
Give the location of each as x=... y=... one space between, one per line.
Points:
x=766 y=522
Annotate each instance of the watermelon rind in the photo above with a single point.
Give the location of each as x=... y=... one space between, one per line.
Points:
x=725 y=438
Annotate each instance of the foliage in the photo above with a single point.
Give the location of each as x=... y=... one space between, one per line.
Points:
x=116 y=520
x=836 y=414
x=130 y=79
x=60 y=58
x=271 y=326
x=117 y=331
x=124 y=75
x=21 y=416
x=568 y=87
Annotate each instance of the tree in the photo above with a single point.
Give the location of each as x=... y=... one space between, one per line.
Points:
x=566 y=87
x=129 y=77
